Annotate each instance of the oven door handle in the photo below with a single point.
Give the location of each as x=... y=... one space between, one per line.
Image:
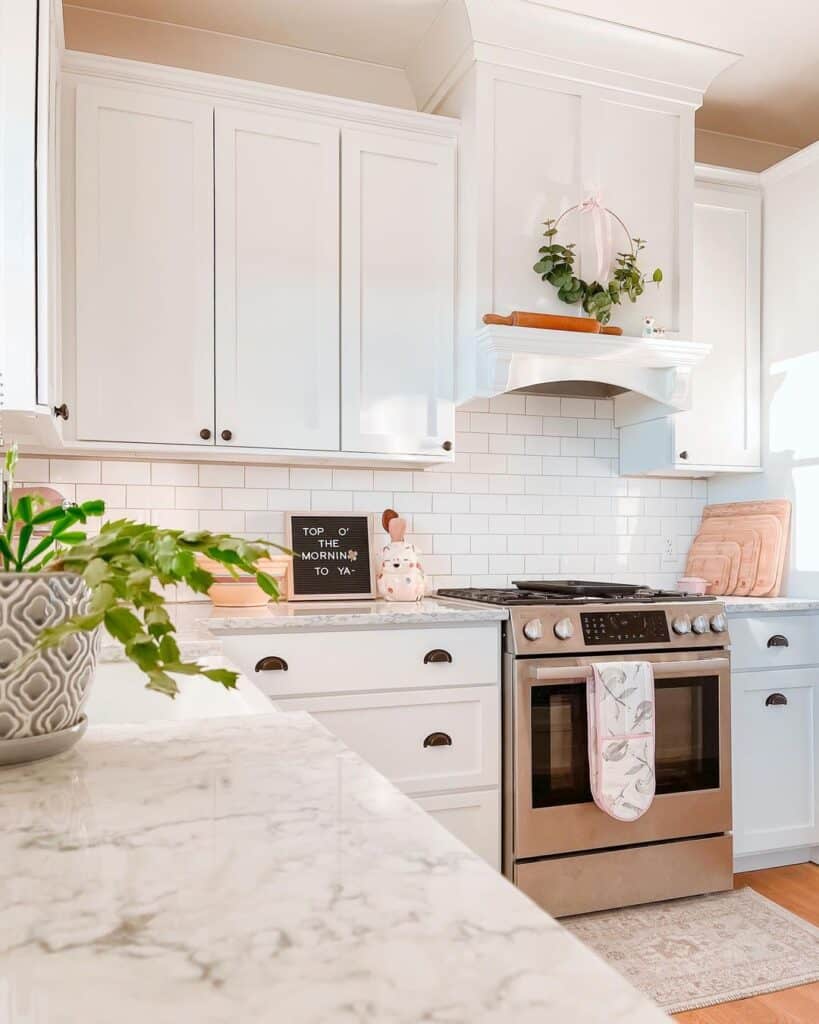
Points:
x=662 y=670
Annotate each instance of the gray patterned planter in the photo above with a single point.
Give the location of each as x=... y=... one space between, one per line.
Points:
x=46 y=696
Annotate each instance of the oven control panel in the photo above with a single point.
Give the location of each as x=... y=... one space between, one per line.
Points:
x=631 y=627
x=572 y=629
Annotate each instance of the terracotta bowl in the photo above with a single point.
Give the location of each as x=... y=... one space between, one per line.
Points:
x=244 y=592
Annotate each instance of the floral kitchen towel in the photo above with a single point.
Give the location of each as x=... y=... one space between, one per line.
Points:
x=620 y=704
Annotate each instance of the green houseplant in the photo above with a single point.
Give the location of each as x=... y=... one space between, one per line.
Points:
x=60 y=584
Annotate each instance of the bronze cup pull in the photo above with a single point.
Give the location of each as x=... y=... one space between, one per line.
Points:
x=272 y=663
x=438 y=739
x=777 y=640
x=776 y=700
x=436 y=656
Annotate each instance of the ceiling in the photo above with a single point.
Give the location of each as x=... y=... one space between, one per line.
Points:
x=379 y=31
x=772 y=94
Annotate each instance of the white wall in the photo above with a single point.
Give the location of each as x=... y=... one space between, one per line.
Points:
x=534 y=492
x=159 y=42
x=790 y=363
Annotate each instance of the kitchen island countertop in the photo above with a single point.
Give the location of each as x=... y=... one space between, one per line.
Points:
x=257 y=870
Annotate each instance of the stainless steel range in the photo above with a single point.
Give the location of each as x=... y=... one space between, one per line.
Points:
x=559 y=847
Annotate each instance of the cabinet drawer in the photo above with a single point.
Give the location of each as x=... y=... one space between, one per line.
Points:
x=474 y=818
x=774 y=759
x=793 y=640
x=399 y=733
x=363 y=660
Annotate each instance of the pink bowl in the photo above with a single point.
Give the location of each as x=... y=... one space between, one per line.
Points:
x=692 y=584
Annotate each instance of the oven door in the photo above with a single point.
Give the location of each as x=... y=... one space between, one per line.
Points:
x=552 y=808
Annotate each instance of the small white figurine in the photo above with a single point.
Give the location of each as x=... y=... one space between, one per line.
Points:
x=648 y=327
x=400 y=575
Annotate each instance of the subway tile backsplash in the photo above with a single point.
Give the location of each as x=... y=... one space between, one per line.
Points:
x=534 y=491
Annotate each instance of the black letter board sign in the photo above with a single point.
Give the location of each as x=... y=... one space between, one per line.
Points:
x=331 y=555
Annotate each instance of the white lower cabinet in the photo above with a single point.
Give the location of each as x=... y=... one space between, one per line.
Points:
x=472 y=818
x=775 y=759
x=425 y=741
x=421 y=705
x=774 y=715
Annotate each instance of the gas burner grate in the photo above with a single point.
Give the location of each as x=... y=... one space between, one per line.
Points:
x=575 y=592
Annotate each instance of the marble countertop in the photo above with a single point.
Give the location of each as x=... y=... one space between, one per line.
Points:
x=738 y=605
x=199 y=625
x=257 y=870
x=289 y=615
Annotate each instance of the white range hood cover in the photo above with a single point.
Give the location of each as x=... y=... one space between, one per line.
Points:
x=656 y=372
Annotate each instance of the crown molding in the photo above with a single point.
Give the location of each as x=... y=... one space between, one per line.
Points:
x=217 y=88
x=532 y=35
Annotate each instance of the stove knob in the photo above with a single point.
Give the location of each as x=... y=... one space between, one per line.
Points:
x=718 y=623
x=564 y=630
x=533 y=630
x=700 y=624
x=682 y=625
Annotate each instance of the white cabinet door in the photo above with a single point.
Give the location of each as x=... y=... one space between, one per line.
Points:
x=29 y=60
x=425 y=741
x=721 y=431
x=722 y=427
x=397 y=293
x=472 y=817
x=277 y=266
x=144 y=350
x=775 y=769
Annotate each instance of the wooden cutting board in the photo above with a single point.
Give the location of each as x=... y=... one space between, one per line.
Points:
x=749 y=538
x=715 y=561
x=774 y=544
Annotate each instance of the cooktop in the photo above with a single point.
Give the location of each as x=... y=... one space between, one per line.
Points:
x=545 y=592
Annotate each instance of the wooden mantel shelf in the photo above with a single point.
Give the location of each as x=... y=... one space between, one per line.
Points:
x=655 y=373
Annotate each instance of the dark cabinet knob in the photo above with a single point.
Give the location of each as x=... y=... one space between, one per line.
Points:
x=776 y=700
x=438 y=739
x=272 y=663
x=447 y=446
x=227 y=435
x=204 y=433
x=61 y=411
x=437 y=656
x=777 y=640
x=683 y=455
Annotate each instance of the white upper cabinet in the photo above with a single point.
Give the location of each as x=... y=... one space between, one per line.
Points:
x=144 y=274
x=721 y=431
x=273 y=276
x=397 y=286
x=277 y=267
x=30 y=48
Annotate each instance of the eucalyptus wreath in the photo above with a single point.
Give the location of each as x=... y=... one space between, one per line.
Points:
x=556 y=265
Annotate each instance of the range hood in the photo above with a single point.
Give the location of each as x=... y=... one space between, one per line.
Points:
x=648 y=377
x=557 y=107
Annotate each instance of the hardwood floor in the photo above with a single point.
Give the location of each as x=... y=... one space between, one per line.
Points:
x=797 y=889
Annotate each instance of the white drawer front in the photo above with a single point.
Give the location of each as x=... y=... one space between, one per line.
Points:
x=474 y=818
x=774 y=759
x=357 y=661
x=389 y=730
x=751 y=636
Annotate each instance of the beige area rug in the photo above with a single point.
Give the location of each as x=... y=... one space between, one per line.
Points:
x=690 y=953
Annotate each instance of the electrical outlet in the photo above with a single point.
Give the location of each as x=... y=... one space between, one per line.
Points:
x=668 y=547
